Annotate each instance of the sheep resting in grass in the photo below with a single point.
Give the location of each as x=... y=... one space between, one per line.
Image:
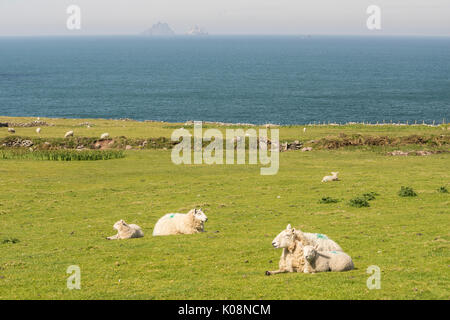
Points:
x=321 y=261
x=292 y=240
x=292 y=258
x=11 y=130
x=333 y=177
x=126 y=231
x=104 y=136
x=318 y=240
x=68 y=134
x=38 y=130
x=179 y=223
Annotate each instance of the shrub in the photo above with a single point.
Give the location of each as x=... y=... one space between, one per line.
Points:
x=359 y=202
x=9 y=240
x=442 y=189
x=370 y=196
x=328 y=200
x=407 y=192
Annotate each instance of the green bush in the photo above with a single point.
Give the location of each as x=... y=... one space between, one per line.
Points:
x=370 y=196
x=442 y=189
x=328 y=200
x=9 y=240
x=359 y=202
x=407 y=192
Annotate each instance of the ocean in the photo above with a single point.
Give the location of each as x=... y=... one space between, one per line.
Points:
x=245 y=79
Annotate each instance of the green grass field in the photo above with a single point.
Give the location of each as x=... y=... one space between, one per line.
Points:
x=54 y=214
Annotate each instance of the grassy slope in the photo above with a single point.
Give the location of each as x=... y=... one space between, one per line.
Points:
x=61 y=212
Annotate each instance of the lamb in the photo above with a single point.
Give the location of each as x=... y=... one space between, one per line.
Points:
x=179 y=223
x=11 y=130
x=333 y=177
x=126 y=231
x=292 y=258
x=321 y=261
x=38 y=130
x=104 y=136
x=68 y=134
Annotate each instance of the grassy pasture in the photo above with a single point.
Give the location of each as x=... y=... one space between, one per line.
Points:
x=54 y=214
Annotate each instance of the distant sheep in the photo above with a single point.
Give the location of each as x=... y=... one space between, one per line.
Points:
x=333 y=177
x=68 y=134
x=292 y=258
x=104 y=136
x=126 y=231
x=322 y=261
x=11 y=130
x=179 y=223
x=38 y=130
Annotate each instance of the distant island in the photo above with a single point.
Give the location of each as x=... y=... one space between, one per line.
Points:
x=197 y=31
x=159 y=29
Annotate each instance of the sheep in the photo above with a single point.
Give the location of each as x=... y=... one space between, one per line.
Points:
x=179 y=223
x=319 y=241
x=333 y=177
x=11 y=130
x=38 y=130
x=126 y=231
x=304 y=130
x=321 y=261
x=68 y=134
x=104 y=136
x=292 y=258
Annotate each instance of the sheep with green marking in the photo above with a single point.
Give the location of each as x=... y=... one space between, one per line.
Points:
x=319 y=241
x=179 y=223
x=292 y=241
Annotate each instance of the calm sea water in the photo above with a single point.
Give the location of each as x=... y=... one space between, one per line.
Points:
x=231 y=79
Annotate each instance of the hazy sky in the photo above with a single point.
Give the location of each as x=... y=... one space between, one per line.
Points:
x=48 y=17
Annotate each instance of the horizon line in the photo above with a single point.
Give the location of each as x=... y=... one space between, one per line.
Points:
x=228 y=35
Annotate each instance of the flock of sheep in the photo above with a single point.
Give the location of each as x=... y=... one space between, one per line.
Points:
x=302 y=252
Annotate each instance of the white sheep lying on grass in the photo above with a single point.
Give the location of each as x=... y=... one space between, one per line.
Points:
x=319 y=241
x=38 y=130
x=179 y=223
x=333 y=177
x=292 y=259
x=126 y=231
x=321 y=261
x=68 y=134
x=104 y=136
x=292 y=241
x=11 y=130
